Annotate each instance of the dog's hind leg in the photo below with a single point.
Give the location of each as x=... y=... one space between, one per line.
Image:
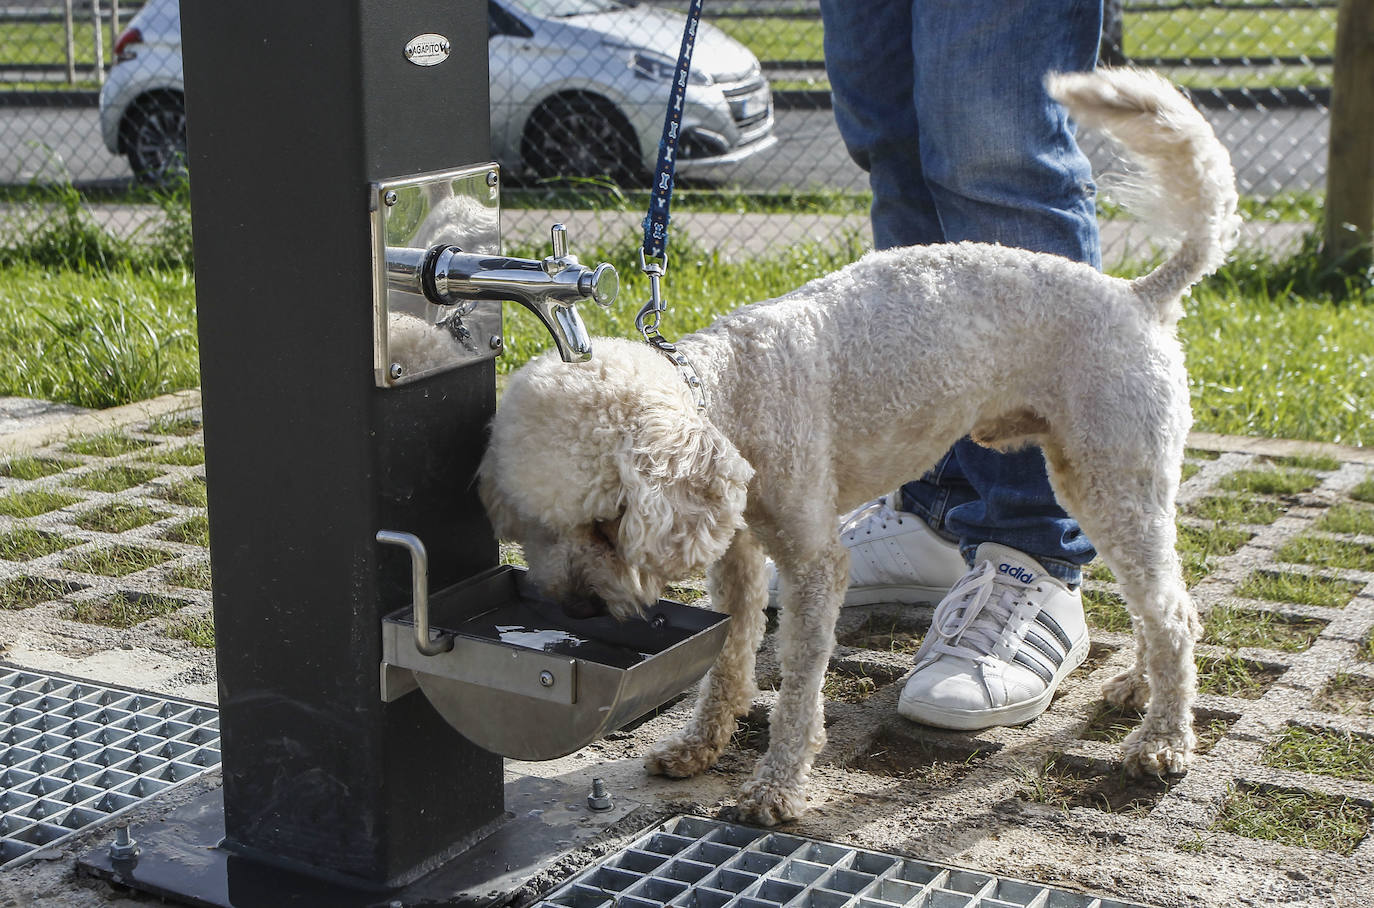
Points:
x=796 y=731
x=1125 y=503
x=738 y=586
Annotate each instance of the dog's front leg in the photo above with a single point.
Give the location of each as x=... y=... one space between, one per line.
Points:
x=796 y=732
x=738 y=587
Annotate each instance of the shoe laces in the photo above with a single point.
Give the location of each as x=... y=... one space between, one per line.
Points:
x=875 y=514
x=972 y=617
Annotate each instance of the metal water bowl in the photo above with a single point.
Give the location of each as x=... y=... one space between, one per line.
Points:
x=518 y=678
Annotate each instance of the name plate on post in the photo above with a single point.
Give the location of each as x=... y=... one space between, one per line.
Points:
x=411 y=216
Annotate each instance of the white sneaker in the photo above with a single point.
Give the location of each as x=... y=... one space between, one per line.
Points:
x=894 y=556
x=999 y=645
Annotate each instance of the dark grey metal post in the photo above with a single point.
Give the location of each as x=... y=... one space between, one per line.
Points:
x=306 y=458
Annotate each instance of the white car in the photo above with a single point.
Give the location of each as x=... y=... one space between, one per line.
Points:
x=579 y=88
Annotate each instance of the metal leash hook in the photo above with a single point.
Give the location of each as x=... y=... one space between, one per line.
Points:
x=651 y=313
x=647 y=322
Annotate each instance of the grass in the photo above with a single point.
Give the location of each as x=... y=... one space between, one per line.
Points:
x=1065 y=782
x=181 y=424
x=26 y=544
x=1270 y=482
x=1353 y=519
x=116 y=560
x=194 y=577
x=1299 y=589
x=34 y=502
x=1193 y=33
x=1322 y=463
x=106 y=444
x=118 y=517
x=192 y=455
x=1329 y=553
x=26 y=592
x=1232 y=676
x=112 y=479
x=1237 y=627
x=1323 y=752
x=124 y=610
x=1364 y=491
x=1292 y=817
x=1106 y=611
x=198 y=630
x=193 y=531
x=1277 y=349
x=34 y=467
x=1229 y=509
x=188 y=492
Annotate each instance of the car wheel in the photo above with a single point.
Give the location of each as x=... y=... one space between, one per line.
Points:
x=153 y=135
x=580 y=136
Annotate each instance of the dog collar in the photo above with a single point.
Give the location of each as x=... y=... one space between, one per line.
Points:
x=684 y=367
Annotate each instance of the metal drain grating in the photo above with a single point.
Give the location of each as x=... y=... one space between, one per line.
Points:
x=690 y=862
x=73 y=754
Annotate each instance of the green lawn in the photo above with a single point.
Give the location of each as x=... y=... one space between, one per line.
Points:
x=46 y=42
x=1270 y=353
x=1198 y=34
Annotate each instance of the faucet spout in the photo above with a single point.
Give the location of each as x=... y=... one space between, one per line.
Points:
x=550 y=288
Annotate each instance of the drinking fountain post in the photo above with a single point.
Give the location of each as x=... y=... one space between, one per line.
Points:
x=306 y=457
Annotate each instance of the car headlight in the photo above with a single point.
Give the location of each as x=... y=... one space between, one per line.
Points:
x=647 y=64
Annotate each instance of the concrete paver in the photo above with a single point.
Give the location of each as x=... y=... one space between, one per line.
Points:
x=1045 y=802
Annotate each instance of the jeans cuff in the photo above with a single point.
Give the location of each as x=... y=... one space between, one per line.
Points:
x=1066 y=572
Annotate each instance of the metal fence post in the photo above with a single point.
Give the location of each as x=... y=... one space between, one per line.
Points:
x=1350 y=164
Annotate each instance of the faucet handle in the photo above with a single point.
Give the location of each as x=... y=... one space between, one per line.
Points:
x=602 y=284
x=560 y=241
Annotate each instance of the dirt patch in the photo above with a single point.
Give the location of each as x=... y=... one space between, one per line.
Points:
x=856 y=681
x=887 y=633
x=1347 y=694
x=1065 y=781
x=934 y=763
x=1111 y=724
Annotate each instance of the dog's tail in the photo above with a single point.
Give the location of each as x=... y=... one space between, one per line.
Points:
x=1188 y=187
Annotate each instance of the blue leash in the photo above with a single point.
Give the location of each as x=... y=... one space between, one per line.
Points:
x=653 y=256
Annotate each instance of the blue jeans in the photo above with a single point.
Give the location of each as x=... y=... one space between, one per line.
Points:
x=942 y=102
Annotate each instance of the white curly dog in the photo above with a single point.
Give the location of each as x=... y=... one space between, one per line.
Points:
x=615 y=483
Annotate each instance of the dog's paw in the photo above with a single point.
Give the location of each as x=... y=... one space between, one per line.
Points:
x=1127 y=690
x=681 y=756
x=769 y=803
x=1156 y=754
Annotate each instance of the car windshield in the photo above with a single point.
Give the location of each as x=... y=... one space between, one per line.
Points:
x=557 y=9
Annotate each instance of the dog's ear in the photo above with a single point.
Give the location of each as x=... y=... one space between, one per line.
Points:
x=498 y=504
x=684 y=486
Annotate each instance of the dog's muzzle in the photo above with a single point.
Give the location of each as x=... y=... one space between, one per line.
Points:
x=585 y=606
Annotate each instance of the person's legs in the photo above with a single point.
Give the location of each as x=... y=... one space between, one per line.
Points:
x=868 y=54
x=1001 y=166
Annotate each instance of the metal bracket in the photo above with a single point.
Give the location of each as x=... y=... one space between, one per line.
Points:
x=413 y=337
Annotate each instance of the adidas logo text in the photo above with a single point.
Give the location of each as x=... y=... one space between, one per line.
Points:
x=1016 y=572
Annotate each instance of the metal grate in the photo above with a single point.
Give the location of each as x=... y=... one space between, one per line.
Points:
x=73 y=754
x=690 y=862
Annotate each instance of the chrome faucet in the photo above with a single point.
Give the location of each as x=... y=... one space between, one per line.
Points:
x=447 y=276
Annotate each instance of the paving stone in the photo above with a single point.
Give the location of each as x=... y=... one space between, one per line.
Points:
x=1047 y=802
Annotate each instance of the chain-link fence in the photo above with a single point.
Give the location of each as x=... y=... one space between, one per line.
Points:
x=91 y=96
